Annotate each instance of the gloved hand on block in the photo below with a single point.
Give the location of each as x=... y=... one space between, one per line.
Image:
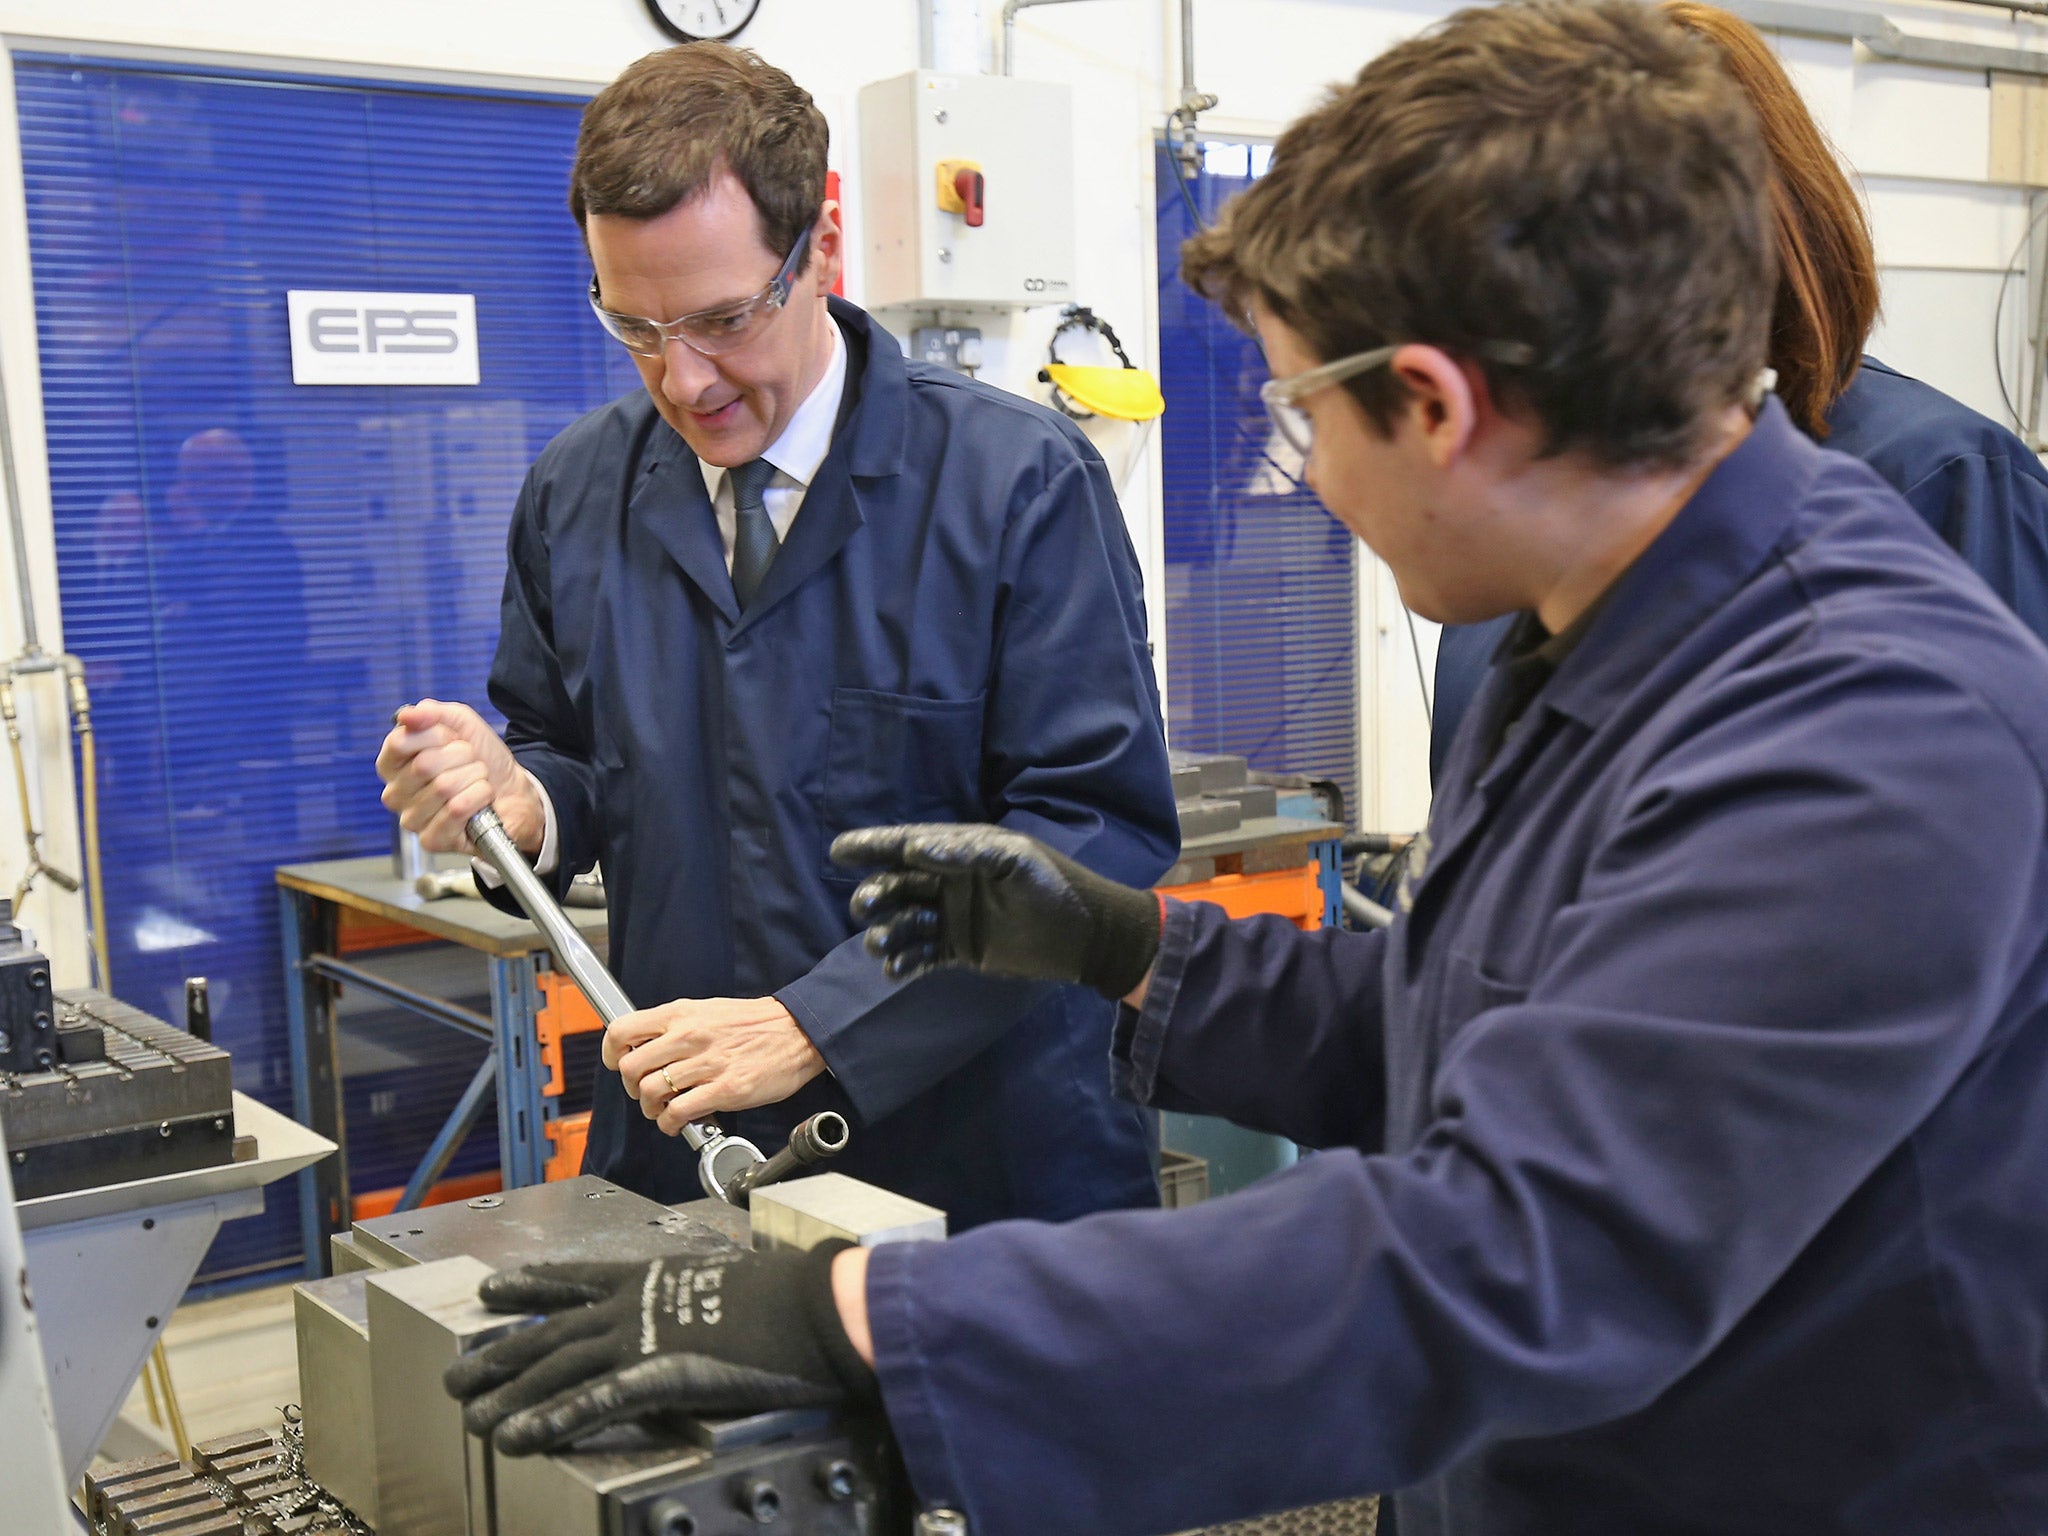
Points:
x=730 y=1335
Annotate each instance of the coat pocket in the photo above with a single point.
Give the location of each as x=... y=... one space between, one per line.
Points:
x=890 y=757
x=1470 y=989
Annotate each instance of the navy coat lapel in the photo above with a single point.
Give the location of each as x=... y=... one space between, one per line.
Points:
x=669 y=502
x=867 y=444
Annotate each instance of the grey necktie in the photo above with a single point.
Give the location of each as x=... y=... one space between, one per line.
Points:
x=753 y=537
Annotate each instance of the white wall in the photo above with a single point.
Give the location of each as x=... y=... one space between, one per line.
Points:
x=57 y=920
x=1919 y=137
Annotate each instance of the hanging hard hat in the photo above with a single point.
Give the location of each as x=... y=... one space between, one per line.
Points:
x=1083 y=390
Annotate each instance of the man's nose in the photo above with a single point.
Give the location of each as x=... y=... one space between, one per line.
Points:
x=685 y=372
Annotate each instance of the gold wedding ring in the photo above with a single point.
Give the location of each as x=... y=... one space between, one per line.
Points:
x=673 y=1090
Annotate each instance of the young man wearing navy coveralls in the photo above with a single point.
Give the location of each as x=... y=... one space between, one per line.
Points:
x=1687 y=1133
x=795 y=585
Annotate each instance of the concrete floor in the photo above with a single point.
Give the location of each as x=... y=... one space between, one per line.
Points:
x=234 y=1364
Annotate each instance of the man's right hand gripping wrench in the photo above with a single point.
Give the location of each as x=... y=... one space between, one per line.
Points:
x=444 y=770
x=442 y=764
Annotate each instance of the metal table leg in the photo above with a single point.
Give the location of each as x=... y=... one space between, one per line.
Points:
x=1329 y=856
x=453 y=1133
x=309 y=929
x=522 y=1110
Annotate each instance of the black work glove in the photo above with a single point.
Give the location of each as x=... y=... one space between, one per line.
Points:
x=728 y=1335
x=997 y=901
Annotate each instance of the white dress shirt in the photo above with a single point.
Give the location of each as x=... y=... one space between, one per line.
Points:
x=796 y=455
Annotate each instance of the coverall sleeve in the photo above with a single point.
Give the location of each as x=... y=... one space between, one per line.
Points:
x=1740 y=1017
x=1073 y=752
x=1262 y=1024
x=1993 y=512
x=541 y=725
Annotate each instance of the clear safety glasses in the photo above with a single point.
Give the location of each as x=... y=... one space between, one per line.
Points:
x=709 y=331
x=1282 y=397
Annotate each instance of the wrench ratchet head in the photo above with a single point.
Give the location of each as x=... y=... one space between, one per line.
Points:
x=724 y=1161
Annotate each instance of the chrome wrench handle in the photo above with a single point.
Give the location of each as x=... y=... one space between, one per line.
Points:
x=722 y=1160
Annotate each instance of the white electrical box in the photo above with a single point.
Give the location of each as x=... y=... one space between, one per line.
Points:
x=968 y=192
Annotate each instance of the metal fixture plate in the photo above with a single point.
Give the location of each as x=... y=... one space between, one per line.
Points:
x=152 y=1073
x=282 y=1146
x=627 y=1482
x=585 y=1219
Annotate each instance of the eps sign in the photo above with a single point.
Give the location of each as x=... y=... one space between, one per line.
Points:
x=382 y=338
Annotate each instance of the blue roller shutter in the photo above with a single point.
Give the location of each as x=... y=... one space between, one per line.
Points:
x=257 y=573
x=1261 y=583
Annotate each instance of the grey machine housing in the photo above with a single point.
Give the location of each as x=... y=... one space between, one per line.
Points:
x=383 y=1437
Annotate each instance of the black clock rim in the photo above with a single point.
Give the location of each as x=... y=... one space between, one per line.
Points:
x=661 y=20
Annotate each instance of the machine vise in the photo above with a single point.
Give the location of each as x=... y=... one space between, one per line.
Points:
x=381 y=1439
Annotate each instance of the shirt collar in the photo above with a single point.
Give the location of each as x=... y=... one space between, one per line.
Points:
x=1527 y=644
x=808 y=437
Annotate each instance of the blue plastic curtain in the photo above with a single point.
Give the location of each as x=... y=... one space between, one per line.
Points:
x=1261 y=583
x=257 y=573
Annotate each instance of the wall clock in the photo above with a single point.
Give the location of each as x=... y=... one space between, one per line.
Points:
x=691 y=21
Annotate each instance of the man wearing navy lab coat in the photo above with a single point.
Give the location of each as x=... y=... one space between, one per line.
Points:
x=795 y=586
x=1687 y=1130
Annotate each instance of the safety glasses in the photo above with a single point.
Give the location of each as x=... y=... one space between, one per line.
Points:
x=709 y=331
x=1282 y=397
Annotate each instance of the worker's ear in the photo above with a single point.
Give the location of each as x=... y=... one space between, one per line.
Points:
x=828 y=251
x=1447 y=401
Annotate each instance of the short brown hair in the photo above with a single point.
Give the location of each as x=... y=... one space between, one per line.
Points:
x=657 y=136
x=1581 y=181
x=1827 y=268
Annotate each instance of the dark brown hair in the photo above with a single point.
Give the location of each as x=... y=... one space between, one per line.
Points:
x=657 y=136
x=1581 y=181
x=1827 y=269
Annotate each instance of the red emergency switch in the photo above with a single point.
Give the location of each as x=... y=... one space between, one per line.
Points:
x=968 y=185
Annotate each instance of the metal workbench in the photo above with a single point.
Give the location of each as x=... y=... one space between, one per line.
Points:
x=313 y=897
x=109 y=1263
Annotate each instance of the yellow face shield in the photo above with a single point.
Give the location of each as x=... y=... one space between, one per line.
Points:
x=1127 y=394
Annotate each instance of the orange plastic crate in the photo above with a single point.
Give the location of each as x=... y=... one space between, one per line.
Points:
x=1295 y=894
x=382 y=1202
x=568 y=1133
x=564 y=1010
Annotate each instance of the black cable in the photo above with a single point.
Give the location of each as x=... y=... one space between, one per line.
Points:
x=2016 y=7
x=1180 y=177
x=1369 y=843
x=1415 y=648
x=1387 y=888
x=2012 y=270
x=1264 y=450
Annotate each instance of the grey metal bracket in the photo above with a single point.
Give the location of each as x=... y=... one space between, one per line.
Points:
x=1882 y=39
